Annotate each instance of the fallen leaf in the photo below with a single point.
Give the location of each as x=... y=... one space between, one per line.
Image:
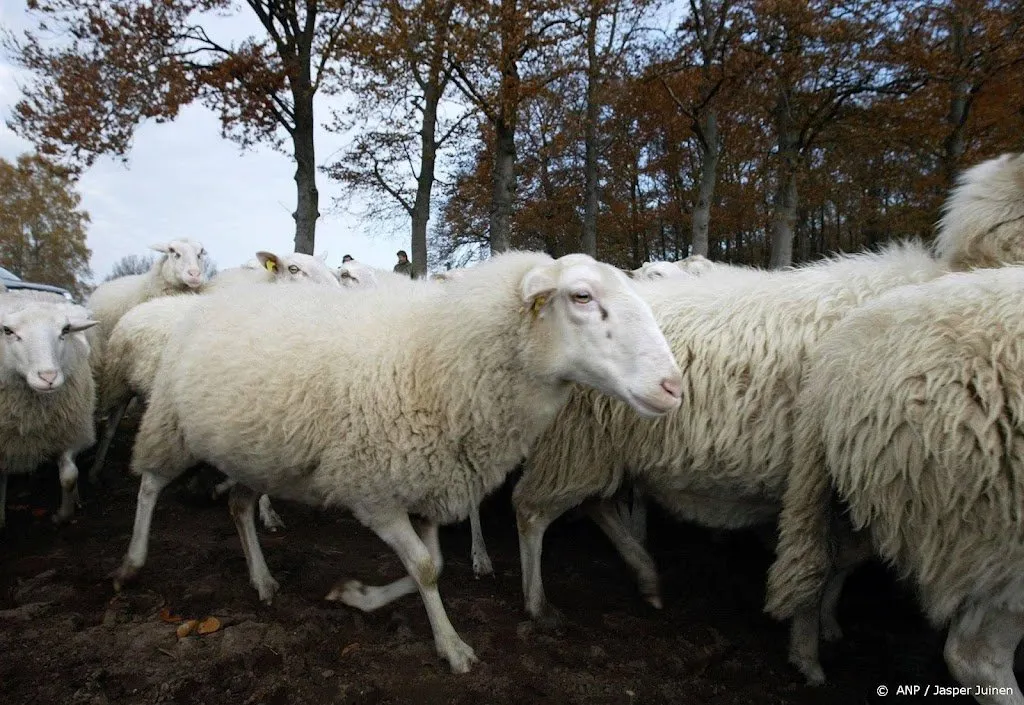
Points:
x=186 y=627
x=39 y=512
x=208 y=626
x=166 y=616
x=349 y=649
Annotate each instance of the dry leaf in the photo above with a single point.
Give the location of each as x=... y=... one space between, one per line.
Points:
x=166 y=616
x=186 y=627
x=349 y=649
x=208 y=626
x=39 y=512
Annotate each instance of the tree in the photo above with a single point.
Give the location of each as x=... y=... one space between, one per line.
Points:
x=101 y=67
x=403 y=62
x=42 y=230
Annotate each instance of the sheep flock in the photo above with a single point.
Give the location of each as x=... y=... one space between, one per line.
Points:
x=869 y=405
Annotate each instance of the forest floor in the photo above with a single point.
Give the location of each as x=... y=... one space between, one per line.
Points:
x=65 y=637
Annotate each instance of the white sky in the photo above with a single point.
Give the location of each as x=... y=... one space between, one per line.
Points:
x=184 y=180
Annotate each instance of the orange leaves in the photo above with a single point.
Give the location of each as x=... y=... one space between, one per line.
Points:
x=190 y=627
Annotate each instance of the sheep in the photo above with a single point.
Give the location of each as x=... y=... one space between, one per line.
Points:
x=927 y=451
x=139 y=338
x=982 y=224
x=180 y=269
x=47 y=392
x=271 y=267
x=723 y=459
x=657 y=270
x=424 y=403
x=356 y=275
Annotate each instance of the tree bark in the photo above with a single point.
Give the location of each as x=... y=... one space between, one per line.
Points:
x=425 y=182
x=504 y=182
x=785 y=199
x=307 y=203
x=708 y=177
x=590 y=204
x=958 y=105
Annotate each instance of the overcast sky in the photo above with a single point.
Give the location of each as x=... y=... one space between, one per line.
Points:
x=184 y=180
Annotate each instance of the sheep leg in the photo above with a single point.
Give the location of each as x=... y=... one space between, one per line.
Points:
x=222 y=487
x=3 y=499
x=481 y=561
x=242 y=505
x=632 y=551
x=531 y=542
x=109 y=431
x=979 y=652
x=268 y=517
x=415 y=556
x=69 y=498
x=803 y=643
x=370 y=597
x=638 y=516
x=149 y=491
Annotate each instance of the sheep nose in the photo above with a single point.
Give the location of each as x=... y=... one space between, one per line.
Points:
x=193 y=272
x=673 y=385
x=48 y=376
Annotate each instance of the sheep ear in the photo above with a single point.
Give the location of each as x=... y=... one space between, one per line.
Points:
x=537 y=287
x=80 y=325
x=160 y=247
x=269 y=260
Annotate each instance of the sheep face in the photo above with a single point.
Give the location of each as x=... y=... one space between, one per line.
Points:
x=597 y=331
x=36 y=343
x=297 y=267
x=354 y=275
x=183 y=262
x=650 y=271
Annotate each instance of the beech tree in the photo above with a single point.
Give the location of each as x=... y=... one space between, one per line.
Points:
x=101 y=67
x=42 y=228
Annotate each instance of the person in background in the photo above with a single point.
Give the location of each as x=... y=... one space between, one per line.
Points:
x=404 y=266
x=347 y=258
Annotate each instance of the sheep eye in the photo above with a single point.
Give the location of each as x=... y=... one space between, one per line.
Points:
x=293 y=269
x=346 y=275
x=177 y=255
x=581 y=297
x=8 y=331
x=65 y=330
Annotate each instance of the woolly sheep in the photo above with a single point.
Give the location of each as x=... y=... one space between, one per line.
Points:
x=179 y=269
x=356 y=275
x=271 y=267
x=982 y=224
x=744 y=354
x=140 y=337
x=47 y=392
x=723 y=459
x=649 y=271
x=424 y=403
x=927 y=451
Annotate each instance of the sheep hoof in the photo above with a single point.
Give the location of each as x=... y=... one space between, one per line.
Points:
x=482 y=566
x=831 y=631
x=268 y=517
x=812 y=671
x=550 y=618
x=124 y=575
x=267 y=590
x=654 y=601
x=355 y=594
x=459 y=654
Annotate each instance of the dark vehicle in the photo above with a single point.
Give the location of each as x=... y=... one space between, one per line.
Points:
x=13 y=282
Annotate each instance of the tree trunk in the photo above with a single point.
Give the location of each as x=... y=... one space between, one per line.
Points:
x=708 y=176
x=425 y=182
x=785 y=200
x=589 y=243
x=307 y=203
x=958 y=105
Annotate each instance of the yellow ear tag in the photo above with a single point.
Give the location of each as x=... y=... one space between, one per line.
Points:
x=271 y=265
x=538 y=304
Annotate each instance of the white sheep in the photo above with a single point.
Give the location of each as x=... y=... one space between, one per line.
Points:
x=649 y=271
x=927 y=452
x=356 y=275
x=982 y=225
x=139 y=338
x=723 y=459
x=47 y=392
x=180 y=269
x=271 y=267
x=417 y=405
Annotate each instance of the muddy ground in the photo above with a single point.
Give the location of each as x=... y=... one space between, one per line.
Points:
x=66 y=638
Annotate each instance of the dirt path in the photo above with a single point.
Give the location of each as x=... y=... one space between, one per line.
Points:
x=66 y=638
